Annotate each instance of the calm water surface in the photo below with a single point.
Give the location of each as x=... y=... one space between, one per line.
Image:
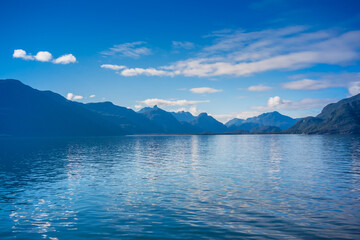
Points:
x=182 y=187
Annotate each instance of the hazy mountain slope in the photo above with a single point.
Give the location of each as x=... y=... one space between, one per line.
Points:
x=145 y=109
x=165 y=121
x=243 y=126
x=183 y=116
x=208 y=124
x=266 y=119
x=266 y=129
x=342 y=117
x=234 y=122
x=126 y=118
x=273 y=119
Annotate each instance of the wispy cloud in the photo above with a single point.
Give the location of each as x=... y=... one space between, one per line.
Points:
x=132 y=50
x=241 y=53
x=113 y=67
x=128 y=72
x=241 y=115
x=349 y=81
x=176 y=103
x=309 y=84
x=193 y=110
x=44 y=56
x=73 y=97
x=138 y=106
x=203 y=90
x=259 y=88
x=92 y=96
x=275 y=103
x=185 y=45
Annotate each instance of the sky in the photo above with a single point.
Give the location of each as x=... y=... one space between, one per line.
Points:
x=227 y=58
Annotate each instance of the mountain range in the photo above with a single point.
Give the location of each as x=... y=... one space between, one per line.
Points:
x=25 y=111
x=273 y=119
x=342 y=117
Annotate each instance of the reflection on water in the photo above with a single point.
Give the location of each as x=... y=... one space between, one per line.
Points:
x=247 y=186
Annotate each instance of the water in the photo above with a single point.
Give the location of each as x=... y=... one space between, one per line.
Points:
x=181 y=187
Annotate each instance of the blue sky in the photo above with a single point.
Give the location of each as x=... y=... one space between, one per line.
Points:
x=228 y=58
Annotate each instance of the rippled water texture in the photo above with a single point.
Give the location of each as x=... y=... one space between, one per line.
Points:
x=202 y=187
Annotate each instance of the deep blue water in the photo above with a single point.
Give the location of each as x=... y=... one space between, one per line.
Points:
x=183 y=187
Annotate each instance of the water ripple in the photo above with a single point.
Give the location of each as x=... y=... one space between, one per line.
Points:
x=181 y=187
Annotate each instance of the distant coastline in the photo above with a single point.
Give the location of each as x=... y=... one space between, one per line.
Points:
x=45 y=113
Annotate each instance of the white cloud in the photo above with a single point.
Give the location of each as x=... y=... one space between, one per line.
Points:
x=202 y=90
x=44 y=56
x=193 y=110
x=185 y=45
x=177 y=103
x=309 y=84
x=279 y=103
x=92 y=96
x=72 y=97
x=77 y=98
x=276 y=101
x=65 y=59
x=241 y=115
x=345 y=80
x=128 y=72
x=133 y=50
x=259 y=88
x=69 y=96
x=242 y=53
x=138 y=106
x=19 y=53
x=354 y=88
x=113 y=67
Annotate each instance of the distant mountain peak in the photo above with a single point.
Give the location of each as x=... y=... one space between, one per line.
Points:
x=146 y=109
x=204 y=114
x=342 y=117
x=183 y=116
x=106 y=103
x=274 y=119
x=12 y=80
x=208 y=123
x=275 y=113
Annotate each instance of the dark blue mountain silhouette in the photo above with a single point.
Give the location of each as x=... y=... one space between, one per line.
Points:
x=183 y=116
x=234 y=122
x=248 y=126
x=274 y=119
x=127 y=119
x=265 y=129
x=208 y=124
x=146 y=109
x=342 y=117
x=167 y=122
x=25 y=111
